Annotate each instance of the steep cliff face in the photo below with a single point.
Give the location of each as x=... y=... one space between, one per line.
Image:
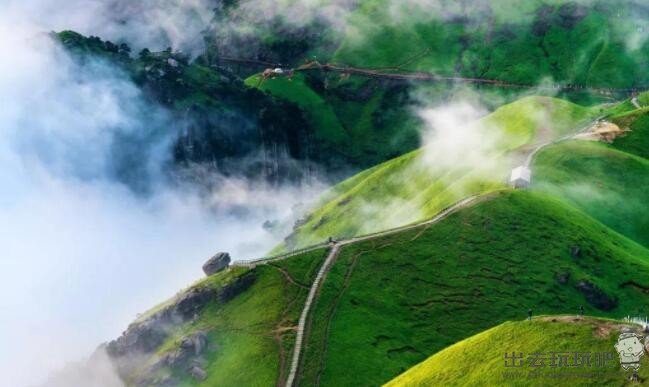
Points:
x=137 y=354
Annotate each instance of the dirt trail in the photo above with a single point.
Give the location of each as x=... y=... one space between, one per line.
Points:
x=396 y=73
x=315 y=287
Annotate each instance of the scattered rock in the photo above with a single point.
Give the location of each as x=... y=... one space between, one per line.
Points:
x=320 y=222
x=575 y=251
x=198 y=373
x=301 y=222
x=595 y=296
x=141 y=338
x=190 y=347
x=563 y=278
x=191 y=302
x=163 y=381
x=216 y=264
x=133 y=349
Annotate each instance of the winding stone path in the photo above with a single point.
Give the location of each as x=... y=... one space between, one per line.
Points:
x=315 y=287
x=331 y=257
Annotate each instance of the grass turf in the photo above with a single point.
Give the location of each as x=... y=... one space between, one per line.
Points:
x=411 y=188
x=389 y=303
x=250 y=336
x=524 y=41
x=609 y=184
x=479 y=360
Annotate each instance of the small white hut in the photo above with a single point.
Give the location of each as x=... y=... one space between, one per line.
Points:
x=521 y=177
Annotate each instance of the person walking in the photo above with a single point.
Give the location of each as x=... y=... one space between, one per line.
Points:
x=529 y=315
x=581 y=311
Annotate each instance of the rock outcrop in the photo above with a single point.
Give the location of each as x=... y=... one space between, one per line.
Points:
x=596 y=296
x=217 y=263
x=134 y=348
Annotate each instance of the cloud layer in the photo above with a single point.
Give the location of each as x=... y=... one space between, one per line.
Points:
x=82 y=253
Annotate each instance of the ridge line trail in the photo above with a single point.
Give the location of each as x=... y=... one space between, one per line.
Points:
x=331 y=257
x=570 y=136
x=335 y=248
x=424 y=76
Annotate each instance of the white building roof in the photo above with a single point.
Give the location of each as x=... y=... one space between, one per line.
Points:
x=521 y=173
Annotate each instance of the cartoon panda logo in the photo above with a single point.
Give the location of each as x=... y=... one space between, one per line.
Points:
x=630 y=349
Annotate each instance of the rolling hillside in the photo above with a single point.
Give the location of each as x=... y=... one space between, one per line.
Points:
x=399 y=299
x=413 y=187
x=583 y=42
x=479 y=360
x=609 y=184
x=242 y=319
x=578 y=237
x=483 y=265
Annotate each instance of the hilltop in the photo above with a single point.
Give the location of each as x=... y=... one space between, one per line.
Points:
x=398 y=299
x=414 y=187
x=485 y=264
x=479 y=360
x=357 y=104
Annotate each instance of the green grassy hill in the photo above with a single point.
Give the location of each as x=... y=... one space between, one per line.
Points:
x=391 y=302
x=609 y=184
x=411 y=187
x=608 y=181
x=583 y=42
x=250 y=334
x=479 y=360
x=361 y=123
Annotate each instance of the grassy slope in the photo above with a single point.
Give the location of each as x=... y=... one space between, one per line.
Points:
x=340 y=122
x=514 y=42
x=479 y=360
x=408 y=189
x=606 y=183
x=244 y=350
x=389 y=303
x=636 y=141
x=295 y=90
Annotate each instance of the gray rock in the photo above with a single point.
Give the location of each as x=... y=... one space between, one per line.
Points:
x=563 y=278
x=199 y=339
x=134 y=348
x=216 y=264
x=575 y=251
x=198 y=373
x=596 y=296
x=189 y=349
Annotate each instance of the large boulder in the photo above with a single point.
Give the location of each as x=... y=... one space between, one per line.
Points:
x=217 y=263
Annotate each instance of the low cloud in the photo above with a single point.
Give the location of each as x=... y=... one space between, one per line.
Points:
x=454 y=137
x=155 y=24
x=83 y=253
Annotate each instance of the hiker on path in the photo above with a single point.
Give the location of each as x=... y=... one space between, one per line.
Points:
x=529 y=315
